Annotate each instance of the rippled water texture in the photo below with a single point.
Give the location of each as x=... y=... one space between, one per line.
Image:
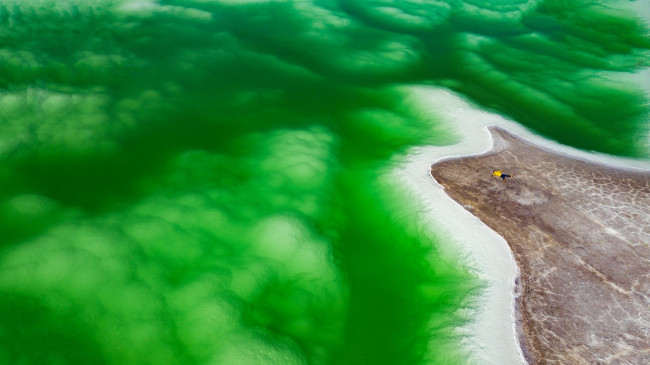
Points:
x=206 y=182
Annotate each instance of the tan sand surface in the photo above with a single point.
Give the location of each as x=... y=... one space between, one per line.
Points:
x=580 y=233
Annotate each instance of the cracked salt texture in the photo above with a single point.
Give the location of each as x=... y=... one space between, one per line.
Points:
x=582 y=247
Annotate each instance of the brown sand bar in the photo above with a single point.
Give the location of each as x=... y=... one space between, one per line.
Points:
x=580 y=233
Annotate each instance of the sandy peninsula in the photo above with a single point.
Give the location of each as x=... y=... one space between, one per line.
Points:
x=580 y=233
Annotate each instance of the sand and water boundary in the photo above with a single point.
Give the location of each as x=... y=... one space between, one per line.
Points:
x=492 y=336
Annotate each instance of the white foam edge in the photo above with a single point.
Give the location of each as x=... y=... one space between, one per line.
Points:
x=490 y=337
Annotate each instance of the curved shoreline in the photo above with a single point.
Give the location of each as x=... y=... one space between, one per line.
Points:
x=471 y=238
x=490 y=336
x=579 y=233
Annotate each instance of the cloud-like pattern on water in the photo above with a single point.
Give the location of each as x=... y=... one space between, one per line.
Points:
x=205 y=181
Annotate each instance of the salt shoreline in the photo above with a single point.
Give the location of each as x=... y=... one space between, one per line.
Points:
x=492 y=335
x=551 y=215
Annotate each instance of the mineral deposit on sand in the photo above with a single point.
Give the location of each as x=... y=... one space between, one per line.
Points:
x=579 y=232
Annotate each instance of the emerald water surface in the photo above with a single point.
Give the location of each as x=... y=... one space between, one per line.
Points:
x=206 y=182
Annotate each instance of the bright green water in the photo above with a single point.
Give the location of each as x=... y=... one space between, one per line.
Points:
x=189 y=182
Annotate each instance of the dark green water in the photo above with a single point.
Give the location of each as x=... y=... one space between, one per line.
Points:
x=205 y=182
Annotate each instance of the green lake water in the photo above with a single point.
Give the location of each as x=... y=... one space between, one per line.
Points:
x=207 y=182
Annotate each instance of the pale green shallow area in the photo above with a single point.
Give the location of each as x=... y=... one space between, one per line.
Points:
x=206 y=182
